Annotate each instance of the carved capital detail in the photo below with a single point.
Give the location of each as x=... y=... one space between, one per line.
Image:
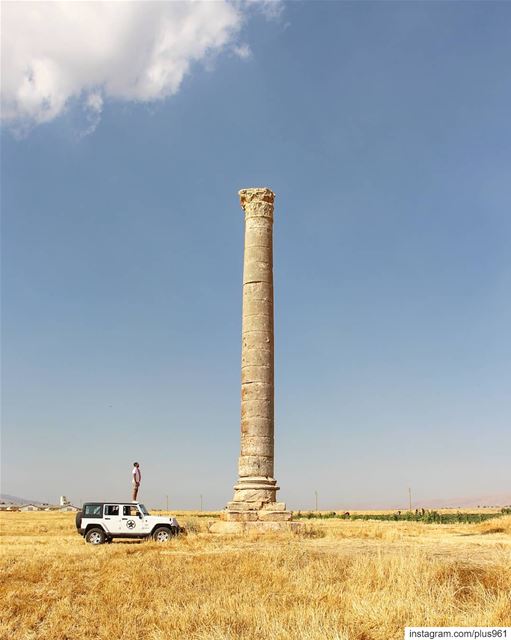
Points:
x=257 y=202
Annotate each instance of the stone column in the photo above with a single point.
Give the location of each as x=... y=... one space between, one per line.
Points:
x=256 y=488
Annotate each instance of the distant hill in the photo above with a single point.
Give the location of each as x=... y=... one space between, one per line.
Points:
x=465 y=502
x=490 y=500
x=8 y=499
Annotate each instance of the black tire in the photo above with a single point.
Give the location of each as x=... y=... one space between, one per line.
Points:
x=162 y=534
x=96 y=535
x=78 y=520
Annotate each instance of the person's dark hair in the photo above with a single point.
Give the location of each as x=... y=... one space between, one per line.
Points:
x=135 y=464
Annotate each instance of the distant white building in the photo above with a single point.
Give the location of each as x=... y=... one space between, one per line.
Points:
x=69 y=507
x=29 y=507
x=64 y=501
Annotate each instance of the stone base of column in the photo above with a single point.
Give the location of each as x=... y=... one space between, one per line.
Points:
x=257 y=526
x=254 y=508
x=273 y=513
x=253 y=493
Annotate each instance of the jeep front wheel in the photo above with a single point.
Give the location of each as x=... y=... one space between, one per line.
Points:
x=162 y=534
x=95 y=536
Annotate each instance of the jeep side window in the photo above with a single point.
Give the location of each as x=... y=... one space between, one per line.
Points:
x=130 y=510
x=144 y=511
x=92 y=511
x=112 y=510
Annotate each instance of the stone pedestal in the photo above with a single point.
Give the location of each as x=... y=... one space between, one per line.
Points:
x=255 y=526
x=255 y=493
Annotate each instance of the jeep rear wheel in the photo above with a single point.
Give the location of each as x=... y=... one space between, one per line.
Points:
x=162 y=534
x=95 y=536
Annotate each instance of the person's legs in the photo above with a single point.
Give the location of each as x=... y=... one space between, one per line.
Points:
x=135 y=492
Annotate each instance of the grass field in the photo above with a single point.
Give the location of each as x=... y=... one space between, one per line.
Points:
x=338 y=580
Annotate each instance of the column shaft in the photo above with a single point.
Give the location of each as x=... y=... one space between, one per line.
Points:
x=256 y=485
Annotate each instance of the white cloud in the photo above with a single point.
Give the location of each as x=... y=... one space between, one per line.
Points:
x=95 y=102
x=93 y=106
x=53 y=52
x=271 y=8
x=243 y=51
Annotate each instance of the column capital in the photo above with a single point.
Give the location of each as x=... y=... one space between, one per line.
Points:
x=257 y=202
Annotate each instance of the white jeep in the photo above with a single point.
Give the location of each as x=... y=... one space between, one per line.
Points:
x=100 y=522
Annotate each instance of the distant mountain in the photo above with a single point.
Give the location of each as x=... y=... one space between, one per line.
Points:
x=490 y=500
x=8 y=499
x=465 y=502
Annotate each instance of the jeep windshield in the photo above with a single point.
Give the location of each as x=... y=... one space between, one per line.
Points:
x=143 y=509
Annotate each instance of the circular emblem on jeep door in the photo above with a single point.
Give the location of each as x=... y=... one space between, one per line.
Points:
x=130 y=524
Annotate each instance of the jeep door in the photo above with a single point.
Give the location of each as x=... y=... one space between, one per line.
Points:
x=112 y=518
x=131 y=521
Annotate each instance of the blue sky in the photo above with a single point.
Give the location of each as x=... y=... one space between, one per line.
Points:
x=383 y=129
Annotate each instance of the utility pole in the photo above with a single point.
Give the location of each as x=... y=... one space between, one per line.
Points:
x=201 y=501
x=316 y=496
x=410 y=497
x=167 y=502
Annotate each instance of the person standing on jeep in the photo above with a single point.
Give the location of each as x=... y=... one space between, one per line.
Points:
x=137 y=477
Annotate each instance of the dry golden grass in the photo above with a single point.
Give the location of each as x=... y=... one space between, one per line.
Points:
x=340 y=580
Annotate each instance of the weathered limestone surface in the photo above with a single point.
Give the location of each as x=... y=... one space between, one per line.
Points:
x=257 y=526
x=254 y=503
x=274 y=516
x=256 y=486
